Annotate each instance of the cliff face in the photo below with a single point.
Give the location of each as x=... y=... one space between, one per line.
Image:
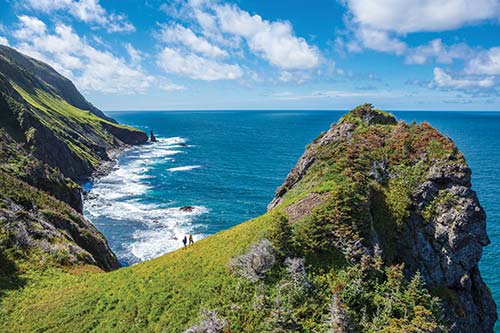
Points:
x=416 y=204
x=50 y=138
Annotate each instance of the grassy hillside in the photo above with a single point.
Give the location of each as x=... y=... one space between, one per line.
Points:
x=327 y=258
x=43 y=110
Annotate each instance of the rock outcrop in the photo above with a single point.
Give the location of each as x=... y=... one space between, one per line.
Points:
x=413 y=200
x=152 y=137
x=51 y=137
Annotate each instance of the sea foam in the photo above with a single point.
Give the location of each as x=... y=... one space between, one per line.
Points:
x=184 y=168
x=121 y=198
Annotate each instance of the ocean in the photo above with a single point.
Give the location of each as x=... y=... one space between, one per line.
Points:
x=224 y=166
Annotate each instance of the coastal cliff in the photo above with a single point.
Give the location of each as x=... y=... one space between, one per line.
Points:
x=417 y=206
x=51 y=138
x=376 y=229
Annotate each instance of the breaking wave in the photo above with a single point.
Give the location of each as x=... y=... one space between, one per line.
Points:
x=138 y=226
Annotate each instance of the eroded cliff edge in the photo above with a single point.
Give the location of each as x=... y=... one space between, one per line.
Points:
x=410 y=195
x=51 y=138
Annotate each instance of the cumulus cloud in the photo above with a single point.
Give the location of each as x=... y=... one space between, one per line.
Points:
x=445 y=80
x=435 y=49
x=177 y=34
x=196 y=67
x=72 y=56
x=408 y=16
x=88 y=11
x=382 y=25
x=486 y=62
x=30 y=27
x=274 y=41
x=381 y=41
x=211 y=31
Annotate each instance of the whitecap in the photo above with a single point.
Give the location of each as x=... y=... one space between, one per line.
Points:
x=184 y=168
x=122 y=196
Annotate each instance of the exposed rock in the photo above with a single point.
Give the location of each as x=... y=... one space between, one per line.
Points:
x=152 y=137
x=370 y=116
x=63 y=236
x=438 y=228
x=187 y=209
x=304 y=206
x=447 y=245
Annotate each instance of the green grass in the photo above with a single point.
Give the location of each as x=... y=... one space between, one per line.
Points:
x=81 y=130
x=161 y=295
x=167 y=294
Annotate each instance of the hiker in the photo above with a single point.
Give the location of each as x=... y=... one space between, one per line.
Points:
x=191 y=241
x=184 y=240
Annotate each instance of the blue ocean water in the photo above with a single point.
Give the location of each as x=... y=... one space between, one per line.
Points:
x=227 y=165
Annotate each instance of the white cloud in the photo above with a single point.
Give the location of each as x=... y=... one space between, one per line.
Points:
x=436 y=49
x=380 y=25
x=407 y=16
x=298 y=77
x=169 y=86
x=487 y=62
x=31 y=27
x=381 y=41
x=176 y=34
x=88 y=67
x=445 y=80
x=88 y=11
x=4 y=41
x=196 y=67
x=274 y=41
x=134 y=54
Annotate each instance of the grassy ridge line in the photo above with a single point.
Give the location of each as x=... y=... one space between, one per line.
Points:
x=71 y=123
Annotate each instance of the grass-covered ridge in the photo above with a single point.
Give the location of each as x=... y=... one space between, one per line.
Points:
x=44 y=111
x=332 y=265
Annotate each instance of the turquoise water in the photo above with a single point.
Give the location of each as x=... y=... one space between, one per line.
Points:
x=226 y=165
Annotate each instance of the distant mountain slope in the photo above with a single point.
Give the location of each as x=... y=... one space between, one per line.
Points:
x=50 y=138
x=42 y=109
x=49 y=79
x=376 y=229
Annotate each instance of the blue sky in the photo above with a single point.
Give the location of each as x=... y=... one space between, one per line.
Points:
x=324 y=54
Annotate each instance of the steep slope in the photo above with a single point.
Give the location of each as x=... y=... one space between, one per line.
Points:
x=58 y=126
x=50 y=138
x=375 y=229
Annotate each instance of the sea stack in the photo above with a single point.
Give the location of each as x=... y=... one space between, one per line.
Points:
x=152 y=137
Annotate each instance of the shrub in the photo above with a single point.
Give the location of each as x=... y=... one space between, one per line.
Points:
x=296 y=268
x=257 y=261
x=211 y=322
